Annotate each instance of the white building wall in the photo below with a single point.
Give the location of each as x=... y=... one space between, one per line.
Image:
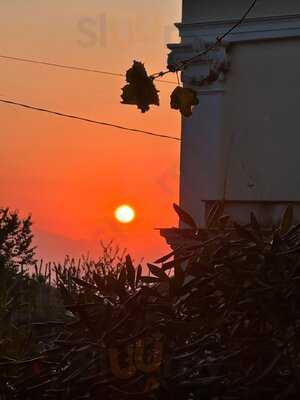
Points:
x=242 y=142
x=261 y=121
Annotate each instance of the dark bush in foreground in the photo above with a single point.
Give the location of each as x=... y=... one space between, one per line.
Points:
x=219 y=321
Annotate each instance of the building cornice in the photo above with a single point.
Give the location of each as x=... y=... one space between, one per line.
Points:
x=196 y=37
x=253 y=29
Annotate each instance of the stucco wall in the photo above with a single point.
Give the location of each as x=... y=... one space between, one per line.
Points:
x=261 y=121
x=245 y=132
x=206 y=10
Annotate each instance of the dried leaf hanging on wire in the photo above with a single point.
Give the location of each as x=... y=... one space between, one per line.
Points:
x=140 y=90
x=184 y=99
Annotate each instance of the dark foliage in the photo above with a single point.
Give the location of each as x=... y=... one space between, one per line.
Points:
x=23 y=300
x=16 y=249
x=218 y=318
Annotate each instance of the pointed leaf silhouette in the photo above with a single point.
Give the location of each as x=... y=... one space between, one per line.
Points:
x=130 y=271
x=287 y=220
x=256 y=228
x=183 y=99
x=179 y=275
x=185 y=217
x=158 y=272
x=138 y=275
x=165 y=258
x=140 y=90
x=214 y=214
x=123 y=276
x=254 y=223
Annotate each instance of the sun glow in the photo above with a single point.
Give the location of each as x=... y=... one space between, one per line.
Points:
x=125 y=214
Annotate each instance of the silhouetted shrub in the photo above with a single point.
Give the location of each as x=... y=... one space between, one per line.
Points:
x=218 y=318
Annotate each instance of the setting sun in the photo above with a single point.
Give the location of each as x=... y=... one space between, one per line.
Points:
x=125 y=214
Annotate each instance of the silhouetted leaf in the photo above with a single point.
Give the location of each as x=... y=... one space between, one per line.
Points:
x=276 y=241
x=138 y=275
x=130 y=272
x=156 y=271
x=184 y=99
x=123 y=276
x=179 y=275
x=287 y=220
x=171 y=264
x=140 y=90
x=214 y=214
x=164 y=258
x=254 y=223
x=185 y=217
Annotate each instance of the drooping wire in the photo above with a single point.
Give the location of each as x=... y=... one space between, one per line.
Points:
x=155 y=76
x=88 y=120
x=183 y=64
x=70 y=67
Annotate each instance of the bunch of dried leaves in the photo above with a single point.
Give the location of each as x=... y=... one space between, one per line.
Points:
x=141 y=91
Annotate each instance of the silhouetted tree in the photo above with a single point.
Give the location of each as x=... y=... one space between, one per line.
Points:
x=16 y=250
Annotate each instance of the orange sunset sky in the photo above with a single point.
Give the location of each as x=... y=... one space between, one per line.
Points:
x=69 y=175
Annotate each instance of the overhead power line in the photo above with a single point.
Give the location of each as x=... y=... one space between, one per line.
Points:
x=70 y=67
x=176 y=68
x=88 y=120
x=183 y=64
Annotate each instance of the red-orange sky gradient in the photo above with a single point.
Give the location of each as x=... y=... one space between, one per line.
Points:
x=69 y=175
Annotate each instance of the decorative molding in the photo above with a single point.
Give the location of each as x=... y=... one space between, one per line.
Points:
x=265 y=202
x=253 y=29
x=211 y=91
x=210 y=68
x=196 y=37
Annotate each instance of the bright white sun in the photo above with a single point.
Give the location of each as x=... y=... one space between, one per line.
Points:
x=125 y=214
